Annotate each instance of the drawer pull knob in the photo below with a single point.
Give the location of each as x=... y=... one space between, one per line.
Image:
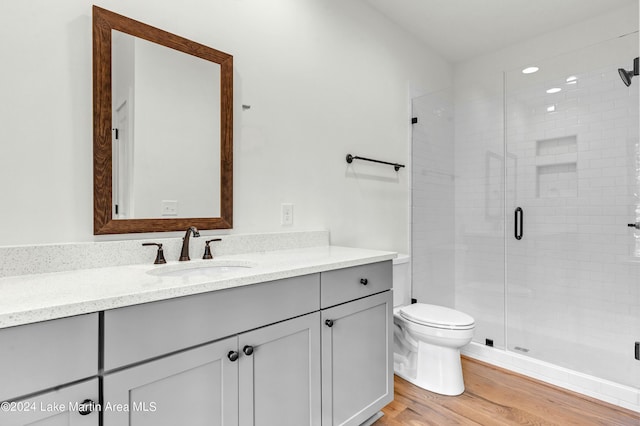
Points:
x=86 y=407
x=248 y=350
x=364 y=281
x=233 y=356
x=329 y=323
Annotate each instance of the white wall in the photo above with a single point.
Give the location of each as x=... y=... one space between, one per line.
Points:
x=323 y=78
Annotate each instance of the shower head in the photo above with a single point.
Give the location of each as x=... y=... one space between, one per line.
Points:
x=626 y=76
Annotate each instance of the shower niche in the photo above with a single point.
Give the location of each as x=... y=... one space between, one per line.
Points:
x=556 y=167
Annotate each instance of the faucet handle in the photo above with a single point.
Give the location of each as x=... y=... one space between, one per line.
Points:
x=160 y=255
x=207 y=249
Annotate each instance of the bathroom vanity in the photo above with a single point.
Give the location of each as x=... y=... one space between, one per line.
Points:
x=300 y=337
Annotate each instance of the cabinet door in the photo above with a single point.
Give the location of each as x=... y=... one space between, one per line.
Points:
x=61 y=407
x=280 y=378
x=197 y=387
x=357 y=359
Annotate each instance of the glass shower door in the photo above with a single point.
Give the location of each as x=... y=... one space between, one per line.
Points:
x=572 y=184
x=432 y=199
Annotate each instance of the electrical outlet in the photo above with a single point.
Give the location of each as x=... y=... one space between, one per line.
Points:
x=169 y=208
x=287 y=214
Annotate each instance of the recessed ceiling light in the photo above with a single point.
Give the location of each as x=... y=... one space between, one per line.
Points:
x=572 y=79
x=530 y=70
x=554 y=90
x=551 y=108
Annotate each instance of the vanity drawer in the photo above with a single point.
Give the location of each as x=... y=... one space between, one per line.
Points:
x=136 y=333
x=343 y=285
x=39 y=356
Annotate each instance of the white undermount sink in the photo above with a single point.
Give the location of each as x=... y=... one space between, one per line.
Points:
x=209 y=268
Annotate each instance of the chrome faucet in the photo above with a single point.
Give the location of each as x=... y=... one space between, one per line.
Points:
x=184 y=254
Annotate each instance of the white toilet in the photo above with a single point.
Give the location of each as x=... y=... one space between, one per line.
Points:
x=427 y=338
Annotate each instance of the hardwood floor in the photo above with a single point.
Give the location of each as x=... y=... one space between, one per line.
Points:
x=494 y=396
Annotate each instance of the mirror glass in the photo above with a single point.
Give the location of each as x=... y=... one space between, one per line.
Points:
x=166 y=152
x=163 y=138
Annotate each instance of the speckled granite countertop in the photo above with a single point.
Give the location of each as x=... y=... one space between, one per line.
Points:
x=31 y=298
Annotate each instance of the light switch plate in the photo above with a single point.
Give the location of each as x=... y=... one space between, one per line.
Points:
x=287 y=214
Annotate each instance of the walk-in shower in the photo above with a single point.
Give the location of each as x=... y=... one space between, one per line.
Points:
x=572 y=281
x=521 y=205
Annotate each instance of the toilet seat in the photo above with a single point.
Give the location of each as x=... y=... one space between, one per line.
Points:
x=437 y=316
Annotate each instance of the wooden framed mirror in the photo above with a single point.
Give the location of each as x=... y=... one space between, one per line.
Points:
x=162 y=142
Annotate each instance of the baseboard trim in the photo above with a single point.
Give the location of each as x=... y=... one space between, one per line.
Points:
x=371 y=420
x=604 y=390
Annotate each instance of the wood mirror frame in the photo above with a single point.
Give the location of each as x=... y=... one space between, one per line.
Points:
x=104 y=22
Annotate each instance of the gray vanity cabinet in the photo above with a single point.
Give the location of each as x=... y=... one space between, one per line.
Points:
x=56 y=363
x=43 y=355
x=280 y=379
x=357 y=359
x=60 y=407
x=244 y=356
x=137 y=333
x=265 y=377
x=195 y=387
x=307 y=350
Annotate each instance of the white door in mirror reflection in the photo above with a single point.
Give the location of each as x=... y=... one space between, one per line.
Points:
x=122 y=157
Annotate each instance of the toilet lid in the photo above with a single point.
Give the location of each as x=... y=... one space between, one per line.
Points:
x=436 y=316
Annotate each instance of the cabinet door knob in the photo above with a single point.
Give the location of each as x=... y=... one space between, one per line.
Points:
x=86 y=407
x=364 y=281
x=233 y=356
x=329 y=323
x=248 y=350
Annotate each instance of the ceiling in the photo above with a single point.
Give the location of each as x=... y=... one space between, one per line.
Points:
x=461 y=29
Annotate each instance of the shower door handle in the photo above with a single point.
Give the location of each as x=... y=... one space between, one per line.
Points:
x=518 y=220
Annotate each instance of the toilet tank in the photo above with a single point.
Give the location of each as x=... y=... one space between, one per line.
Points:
x=401 y=280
